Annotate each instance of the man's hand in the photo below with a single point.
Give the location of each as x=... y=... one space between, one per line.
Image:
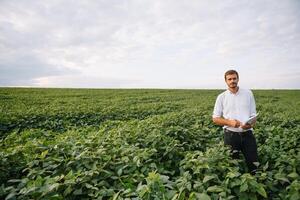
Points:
x=227 y=122
x=234 y=123
x=246 y=126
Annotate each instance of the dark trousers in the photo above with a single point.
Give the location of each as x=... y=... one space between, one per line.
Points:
x=244 y=142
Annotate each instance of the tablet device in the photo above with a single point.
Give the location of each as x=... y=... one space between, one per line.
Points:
x=251 y=120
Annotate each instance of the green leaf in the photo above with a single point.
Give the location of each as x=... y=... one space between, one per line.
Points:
x=175 y=197
x=295 y=196
x=14 y=180
x=235 y=182
x=43 y=154
x=10 y=196
x=120 y=171
x=142 y=190
x=244 y=187
x=114 y=177
x=293 y=175
x=266 y=166
x=215 y=188
x=49 y=188
x=281 y=177
x=244 y=196
x=87 y=185
x=203 y=196
x=78 y=192
x=115 y=197
x=68 y=190
x=261 y=191
x=207 y=178
x=233 y=174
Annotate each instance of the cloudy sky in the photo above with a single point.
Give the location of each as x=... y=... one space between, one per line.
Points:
x=149 y=43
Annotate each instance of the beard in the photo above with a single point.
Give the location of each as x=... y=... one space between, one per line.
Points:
x=233 y=85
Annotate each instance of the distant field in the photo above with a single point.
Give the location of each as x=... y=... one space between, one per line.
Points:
x=141 y=144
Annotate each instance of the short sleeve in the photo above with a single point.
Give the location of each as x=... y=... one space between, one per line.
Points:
x=218 y=109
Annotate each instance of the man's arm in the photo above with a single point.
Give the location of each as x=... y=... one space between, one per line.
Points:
x=227 y=122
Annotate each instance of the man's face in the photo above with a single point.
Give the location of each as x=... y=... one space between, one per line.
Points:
x=232 y=80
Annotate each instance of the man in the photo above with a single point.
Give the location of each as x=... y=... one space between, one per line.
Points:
x=232 y=109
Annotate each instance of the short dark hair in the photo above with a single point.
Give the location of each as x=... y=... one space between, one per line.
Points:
x=229 y=72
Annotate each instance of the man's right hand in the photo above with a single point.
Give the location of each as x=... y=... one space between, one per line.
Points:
x=234 y=123
x=227 y=122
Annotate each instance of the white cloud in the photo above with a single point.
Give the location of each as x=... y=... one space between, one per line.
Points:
x=82 y=81
x=148 y=43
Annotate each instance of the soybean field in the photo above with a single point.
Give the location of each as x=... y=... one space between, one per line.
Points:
x=141 y=144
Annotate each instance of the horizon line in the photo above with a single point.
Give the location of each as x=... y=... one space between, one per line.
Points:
x=137 y=88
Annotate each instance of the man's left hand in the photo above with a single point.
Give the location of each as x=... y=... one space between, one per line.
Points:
x=246 y=126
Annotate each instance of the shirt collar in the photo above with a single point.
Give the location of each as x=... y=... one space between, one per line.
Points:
x=234 y=93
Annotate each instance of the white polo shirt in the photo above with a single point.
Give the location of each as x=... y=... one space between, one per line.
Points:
x=239 y=106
